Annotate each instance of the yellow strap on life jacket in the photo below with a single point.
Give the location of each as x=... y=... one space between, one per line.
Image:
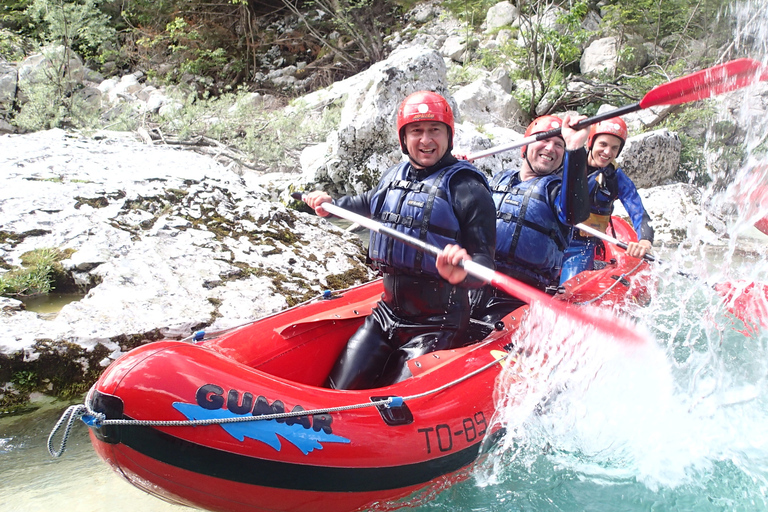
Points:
x=598 y=222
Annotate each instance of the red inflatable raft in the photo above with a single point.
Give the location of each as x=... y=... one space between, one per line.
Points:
x=268 y=437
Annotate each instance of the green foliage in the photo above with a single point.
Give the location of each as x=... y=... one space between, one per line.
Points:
x=463 y=75
x=43 y=110
x=472 y=12
x=53 y=93
x=36 y=275
x=188 y=48
x=668 y=22
x=25 y=380
x=548 y=55
x=13 y=15
x=197 y=39
x=271 y=138
x=654 y=19
x=11 y=46
x=78 y=24
x=149 y=13
x=56 y=99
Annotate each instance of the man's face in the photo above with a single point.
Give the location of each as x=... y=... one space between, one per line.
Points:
x=544 y=156
x=426 y=142
x=605 y=148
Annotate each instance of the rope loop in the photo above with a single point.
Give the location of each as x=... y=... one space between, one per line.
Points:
x=72 y=414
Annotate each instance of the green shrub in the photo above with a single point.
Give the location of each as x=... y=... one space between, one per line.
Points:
x=77 y=24
x=40 y=269
x=271 y=138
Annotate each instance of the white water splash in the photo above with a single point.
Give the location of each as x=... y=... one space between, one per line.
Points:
x=614 y=412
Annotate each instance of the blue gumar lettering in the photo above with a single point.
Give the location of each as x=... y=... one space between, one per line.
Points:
x=307 y=433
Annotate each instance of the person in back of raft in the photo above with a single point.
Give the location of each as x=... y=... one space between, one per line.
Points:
x=607 y=183
x=537 y=207
x=438 y=199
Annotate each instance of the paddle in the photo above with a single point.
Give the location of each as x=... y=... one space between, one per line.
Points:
x=747 y=301
x=696 y=86
x=615 y=241
x=606 y=324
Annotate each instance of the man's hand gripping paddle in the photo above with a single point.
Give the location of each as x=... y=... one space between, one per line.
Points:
x=606 y=325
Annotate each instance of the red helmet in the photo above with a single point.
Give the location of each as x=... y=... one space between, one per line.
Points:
x=424 y=106
x=542 y=124
x=614 y=126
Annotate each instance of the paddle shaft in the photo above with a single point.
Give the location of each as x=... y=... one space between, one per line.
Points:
x=555 y=131
x=507 y=284
x=608 y=238
x=696 y=86
x=476 y=270
x=609 y=326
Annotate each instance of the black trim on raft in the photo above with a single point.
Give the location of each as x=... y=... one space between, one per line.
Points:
x=282 y=475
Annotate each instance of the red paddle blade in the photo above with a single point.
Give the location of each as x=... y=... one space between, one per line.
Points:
x=762 y=225
x=706 y=83
x=746 y=301
x=604 y=324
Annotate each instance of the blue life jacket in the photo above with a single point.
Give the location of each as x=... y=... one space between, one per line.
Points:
x=529 y=238
x=602 y=195
x=616 y=185
x=421 y=209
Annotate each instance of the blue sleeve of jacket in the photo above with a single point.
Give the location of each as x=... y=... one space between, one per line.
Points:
x=572 y=203
x=634 y=205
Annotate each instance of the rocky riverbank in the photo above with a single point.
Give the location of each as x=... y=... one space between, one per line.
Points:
x=162 y=242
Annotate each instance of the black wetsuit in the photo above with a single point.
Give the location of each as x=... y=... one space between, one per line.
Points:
x=418 y=313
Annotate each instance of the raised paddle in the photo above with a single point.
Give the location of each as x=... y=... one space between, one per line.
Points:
x=696 y=86
x=605 y=324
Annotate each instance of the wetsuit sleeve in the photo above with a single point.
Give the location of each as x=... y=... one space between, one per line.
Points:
x=634 y=205
x=572 y=201
x=476 y=213
x=360 y=204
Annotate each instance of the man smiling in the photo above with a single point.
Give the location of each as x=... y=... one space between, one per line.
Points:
x=437 y=199
x=536 y=209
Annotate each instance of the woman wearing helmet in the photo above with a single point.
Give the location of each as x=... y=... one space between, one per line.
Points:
x=536 y=207
x=442 y=201
x=607 y=183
